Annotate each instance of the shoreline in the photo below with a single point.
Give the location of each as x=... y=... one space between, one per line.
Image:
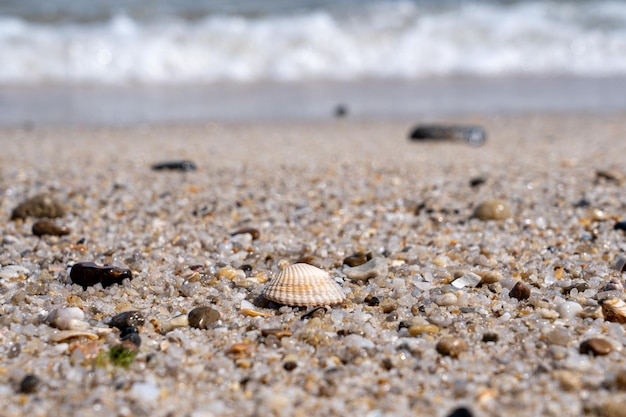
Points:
x=258 y=102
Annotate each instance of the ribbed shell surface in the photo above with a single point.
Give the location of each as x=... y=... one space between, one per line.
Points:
x=303 y=285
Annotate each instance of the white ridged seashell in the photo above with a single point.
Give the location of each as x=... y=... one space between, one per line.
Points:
x=303 y=285
x=614 y=309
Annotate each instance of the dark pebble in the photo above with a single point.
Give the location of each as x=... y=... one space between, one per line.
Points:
x=250 y=230
x=476 y=181
x=391 y=317
x=473 y=135
x=131 y=334
x=127 y=319
x=372 y=301
x=460 y=412
x=278 y=333
x=47 y=227
x=87 y=274
x=620 y=226
x=596 y=347
x=290 y=366
x=341 y=110
x=201 y=317
x=42 y=205
x=357 y=258
x=182 y=166
x=29 y=384
x=582 y=203
x=451 y=346
x=490 y=337
x=520 y=291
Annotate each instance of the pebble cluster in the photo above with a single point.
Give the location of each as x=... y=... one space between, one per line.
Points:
x=463 y=297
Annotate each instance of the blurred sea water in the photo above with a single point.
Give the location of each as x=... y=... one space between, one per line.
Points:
x=67 y=46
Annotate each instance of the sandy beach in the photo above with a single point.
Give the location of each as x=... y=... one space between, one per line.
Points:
x=410 y=340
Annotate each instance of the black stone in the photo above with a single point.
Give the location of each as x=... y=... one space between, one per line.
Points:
x=290 y=366
x=620 y=226
x=460 y=412
x=476 y=181
x=473 y=135
x=372 y=301
x=341 y=110
x=131 y=334
x=127 y=319
x=182 y=166
x=490 y=337
x=87 y=274
x=29 y=384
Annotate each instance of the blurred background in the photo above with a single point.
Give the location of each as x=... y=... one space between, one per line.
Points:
x=128 y=61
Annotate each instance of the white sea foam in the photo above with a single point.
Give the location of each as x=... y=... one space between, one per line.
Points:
x=382 y=40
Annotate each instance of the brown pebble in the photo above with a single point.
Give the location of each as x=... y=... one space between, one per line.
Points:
x=614 y=309
x=47 y=227
x=493 y=210
x=610 y=175
x=520 y=291
x=87 y=274
x=372 y=301
x=127 y=319
x=596 y=346
x=620 y=379
x=451 y=346
x=357 y=258
x=201 y=317
x=290 y=366
x=41 y=205
x=250 y=230
x=279 y=333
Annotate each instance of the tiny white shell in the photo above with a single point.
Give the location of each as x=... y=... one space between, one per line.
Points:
x=69 y=318
x=303 y=285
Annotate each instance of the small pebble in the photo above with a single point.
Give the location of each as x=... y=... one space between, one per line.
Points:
x=14 y=351
x=290 y=366
x=127 y=319
x=201 y=317
x=357 y=258
x=620 y=263
x=476 y=181
x=254 y=233
x=520 y=291
x=374 y=268
x=451 y=346
x=490 y=337
x=42 y=205
x=372 y=301
x=620 y=379
x=447 y=299
x=460 y=412
x=317 y=312
x=610 y=175
x=182 y=320
x=47 y=227
x=490 y=277
x=596 y=346
x=468 y=279
x=182 y=166
x=87 y=274
x=70 y=318
x=29 y=384
x=569 y=309
x=131 y=334
x=493 y=210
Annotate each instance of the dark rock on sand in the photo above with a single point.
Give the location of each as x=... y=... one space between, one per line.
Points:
x=520 y=291
x=47 y=227
x=460 y=412
x=473 y=135
x=451 y=346
x=41 y=205
x=620 y=226
x=182 y=166
x=29 y=384
x=87 y=274
x=131 y=334
x=357 y=258
x=127 y=319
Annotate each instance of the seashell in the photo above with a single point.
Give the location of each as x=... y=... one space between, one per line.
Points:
x=64 y=335
x=614 y=309
x=303 y=285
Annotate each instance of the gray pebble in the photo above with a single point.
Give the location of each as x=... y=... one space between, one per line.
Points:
x=41 y=205
x=127 y=319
